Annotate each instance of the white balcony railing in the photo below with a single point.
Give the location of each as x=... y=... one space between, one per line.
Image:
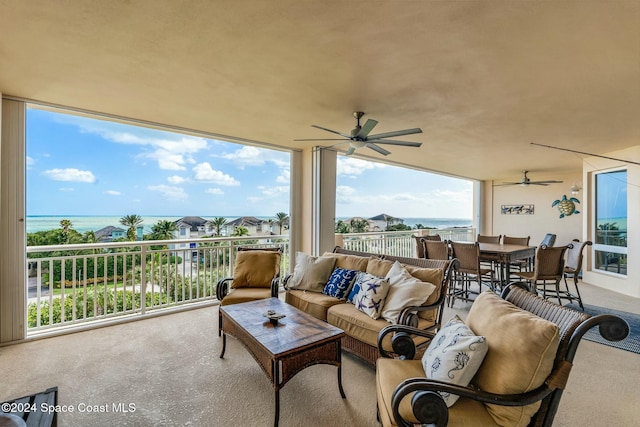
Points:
x=399 y=243
x=78 y=284
x=70 y=285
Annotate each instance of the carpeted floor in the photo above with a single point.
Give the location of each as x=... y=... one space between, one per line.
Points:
x=631 y=343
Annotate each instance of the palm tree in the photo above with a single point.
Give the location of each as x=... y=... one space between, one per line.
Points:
x=342 y=227
x=240 y=230
x=281 y=219
x=66 y=225
x=131 y=221
x=359 y=225
x=163 y=230
x=217 y=223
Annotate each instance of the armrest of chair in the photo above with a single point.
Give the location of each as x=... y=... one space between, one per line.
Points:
x=275 y=286
x=429 y=407
x=402 y=343
x=285 y=281
x=222 y=287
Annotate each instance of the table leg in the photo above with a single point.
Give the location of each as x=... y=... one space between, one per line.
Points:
x=344 y=396
x=276 y=386
x=224 y=344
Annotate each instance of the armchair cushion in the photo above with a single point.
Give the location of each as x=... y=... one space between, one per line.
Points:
x=404 y=291
x=454 y=356
x=255 y=269
x=311 y=273
x=522 y=349
x=340 y=283
x=372 y=293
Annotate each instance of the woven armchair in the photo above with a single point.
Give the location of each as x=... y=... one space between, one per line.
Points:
x=406 y=397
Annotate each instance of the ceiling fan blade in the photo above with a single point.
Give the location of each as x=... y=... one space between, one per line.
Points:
x=320 y=139
x=380 y=150
x=368 y=127
x=396 y=133
x=329 y=130
x=506 y=184
x=546 y=182
x=393 y=142
x=350 y=151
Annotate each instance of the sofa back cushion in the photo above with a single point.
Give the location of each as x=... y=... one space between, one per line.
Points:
x=311 y=273
x=348 y=262
x=522 y=349
x=404 y=290
x=255 y=269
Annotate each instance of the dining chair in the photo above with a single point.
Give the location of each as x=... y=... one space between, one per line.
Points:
x=549 y=240
x=436 y=249
x=488 y=239
x=434 y=237
x=521 y=264
x=420 y=251
x=548 y=271
x=489 y=261
x=572 y=269
x=469 y=271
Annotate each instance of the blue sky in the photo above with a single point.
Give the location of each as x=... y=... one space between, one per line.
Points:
x=83 y=166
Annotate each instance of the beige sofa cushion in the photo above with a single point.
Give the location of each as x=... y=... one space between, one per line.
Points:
x=313 y=303
x=404 y=290
x=349 y=262
x=245 y=294
x=379 y=267
x=362 y=327
x=522 y=349
x=311 y=273
x=255 y=269
x=391 y=372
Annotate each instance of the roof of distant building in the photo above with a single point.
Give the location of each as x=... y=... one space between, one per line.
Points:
x=107 y=232
x=386 y=218
x=244 y=221
x=193 y=222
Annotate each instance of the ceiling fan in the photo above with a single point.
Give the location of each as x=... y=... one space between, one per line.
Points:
x=359 y=136
x=527 y=181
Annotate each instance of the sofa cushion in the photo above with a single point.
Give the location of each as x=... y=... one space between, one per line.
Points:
x=349 y=262
x=371 y=295
x=255 y=269
x=363 y=328
x=454 y=355
x=340 y=283
x=391 y=372
x=313 y=303
x=311 y=273
x=404 y=290
x=379 y=267
x=239 y=295
x=522 y=349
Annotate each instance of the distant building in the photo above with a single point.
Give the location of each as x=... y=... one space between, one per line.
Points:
x=189 y=227
x=110 y=233
x=255 y=226
x=383 y=221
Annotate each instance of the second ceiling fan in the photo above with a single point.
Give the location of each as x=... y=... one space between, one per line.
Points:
x=359 y=136
x=527 y=181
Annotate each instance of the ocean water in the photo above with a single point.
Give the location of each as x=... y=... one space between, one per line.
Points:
x=84 y=223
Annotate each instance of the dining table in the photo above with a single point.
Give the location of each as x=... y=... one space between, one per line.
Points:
x=505 y=255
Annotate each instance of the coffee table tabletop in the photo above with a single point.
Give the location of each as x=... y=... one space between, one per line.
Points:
x=285 y=347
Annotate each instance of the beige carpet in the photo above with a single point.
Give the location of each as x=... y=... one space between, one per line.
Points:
x=168 y=368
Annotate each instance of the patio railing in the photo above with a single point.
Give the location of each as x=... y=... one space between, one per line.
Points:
x=399 y=243
x=75 y=284
x=78 y=284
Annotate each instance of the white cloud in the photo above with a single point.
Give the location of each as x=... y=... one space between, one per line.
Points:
x=30 y=161
x=176 y=179
x=214 y=191
x=204 y=172
x=169 y=192
x=70 y=174
x=275 y=190
x=67 y=189
x=351 y=166
x=113 y=193
x=284 y=177
x=254 y=156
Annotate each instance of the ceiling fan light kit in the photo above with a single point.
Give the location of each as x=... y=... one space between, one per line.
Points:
x=359 y=136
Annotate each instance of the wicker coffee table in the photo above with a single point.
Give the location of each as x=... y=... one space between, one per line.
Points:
x=285 y=348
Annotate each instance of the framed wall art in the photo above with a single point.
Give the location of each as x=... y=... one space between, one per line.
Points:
x=517 y=209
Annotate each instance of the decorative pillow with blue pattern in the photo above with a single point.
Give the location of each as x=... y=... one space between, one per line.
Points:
x=371 y=294
x=340 y=283
x=454 y=355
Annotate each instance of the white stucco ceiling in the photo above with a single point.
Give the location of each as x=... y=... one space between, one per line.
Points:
x=483 y=79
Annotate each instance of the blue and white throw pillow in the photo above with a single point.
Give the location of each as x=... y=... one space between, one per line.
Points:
x=454 y=355
x=371 y=294
x=340 y=283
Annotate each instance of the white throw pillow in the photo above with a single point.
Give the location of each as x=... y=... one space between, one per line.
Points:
x=404 y=291
x=370 y=297
x=454 y=355
x=311 y=273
